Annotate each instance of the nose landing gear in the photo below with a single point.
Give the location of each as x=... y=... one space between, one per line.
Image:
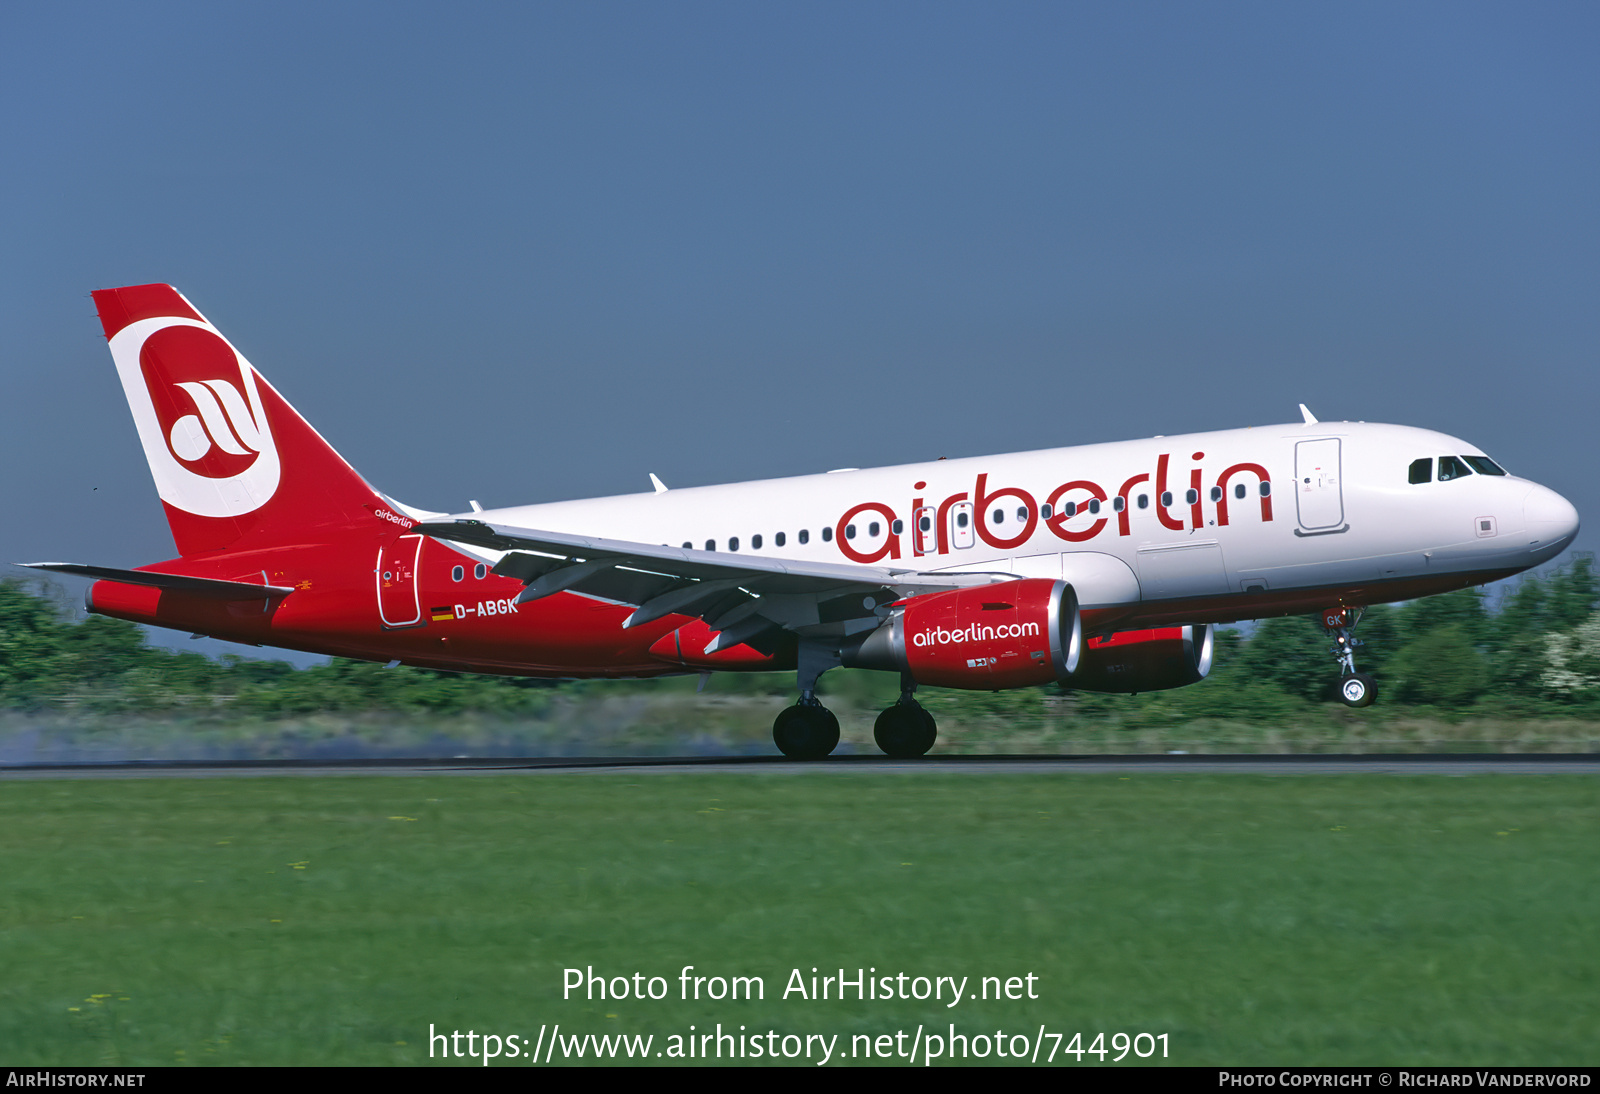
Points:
x=1356 y=689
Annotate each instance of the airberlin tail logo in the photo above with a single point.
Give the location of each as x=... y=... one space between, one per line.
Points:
x=224 y=424
x=199 y=415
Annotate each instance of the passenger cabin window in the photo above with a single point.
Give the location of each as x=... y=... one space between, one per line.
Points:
x=1119 y=503
x=733 y=543
x=779 y=539
x=1483 y=465
x=1144 y=501
x=480 y=571
x=827 y=534
x=1421 y=471
x=711 y=545
x=688 y=546
x=1452 y=468
x=805 y=536
x=457 y=573
x=755 y=542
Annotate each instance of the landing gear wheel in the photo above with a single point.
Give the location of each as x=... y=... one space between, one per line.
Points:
x=1357 y=690
x=905 y=731
x=805 y=732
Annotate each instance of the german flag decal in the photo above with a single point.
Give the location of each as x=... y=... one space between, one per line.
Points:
x=442 y=614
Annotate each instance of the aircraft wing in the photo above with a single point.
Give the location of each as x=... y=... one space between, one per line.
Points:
x=748 y=598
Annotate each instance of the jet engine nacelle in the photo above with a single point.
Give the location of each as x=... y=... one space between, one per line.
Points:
x=1008 y=635
x=1134 y=661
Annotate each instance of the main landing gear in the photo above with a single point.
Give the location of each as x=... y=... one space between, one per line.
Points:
x=806 y=731
x=809 y=731
x=1356 y=689
x=906 y=730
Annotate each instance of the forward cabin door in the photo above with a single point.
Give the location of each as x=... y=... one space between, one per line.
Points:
x=398 y=602
x=1319 y=497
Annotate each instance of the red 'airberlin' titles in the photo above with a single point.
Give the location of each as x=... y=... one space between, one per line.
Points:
x=975 y=632
x=1065 y=505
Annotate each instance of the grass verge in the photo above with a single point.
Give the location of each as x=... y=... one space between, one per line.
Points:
x=1255 y=920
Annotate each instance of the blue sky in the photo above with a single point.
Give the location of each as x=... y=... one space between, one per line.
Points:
x=523 y=252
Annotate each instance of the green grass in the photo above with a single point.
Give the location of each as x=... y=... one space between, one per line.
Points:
x=1291 y=920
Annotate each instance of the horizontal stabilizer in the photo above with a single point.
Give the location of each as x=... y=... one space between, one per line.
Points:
x=178 y=583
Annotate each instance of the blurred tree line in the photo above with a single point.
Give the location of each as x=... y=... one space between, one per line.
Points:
x=101 y=664
x=1535 y=652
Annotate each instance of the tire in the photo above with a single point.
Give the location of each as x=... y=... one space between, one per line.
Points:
x=805 y=733
x=905 y=731
x=1357 y=690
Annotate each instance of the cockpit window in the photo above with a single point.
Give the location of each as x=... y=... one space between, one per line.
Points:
x=1483 y=465
x=1422 y=470
x=1452 y=468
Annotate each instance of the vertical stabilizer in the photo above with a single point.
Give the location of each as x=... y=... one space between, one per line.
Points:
x=235 y=465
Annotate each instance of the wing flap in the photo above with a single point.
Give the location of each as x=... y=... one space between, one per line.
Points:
x=744 y=595
x=683 y=562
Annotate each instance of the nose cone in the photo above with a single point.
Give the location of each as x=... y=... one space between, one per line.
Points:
x=1551 y=521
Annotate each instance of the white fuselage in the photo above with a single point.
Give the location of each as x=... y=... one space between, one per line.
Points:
x=1165 y=519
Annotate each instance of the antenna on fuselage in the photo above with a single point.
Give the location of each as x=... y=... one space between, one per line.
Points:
x=1311 y=419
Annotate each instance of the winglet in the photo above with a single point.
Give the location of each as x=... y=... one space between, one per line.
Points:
x=1311 y=419
x=661 y=487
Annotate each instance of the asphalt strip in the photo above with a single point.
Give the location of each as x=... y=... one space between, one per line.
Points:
x=1393 y=764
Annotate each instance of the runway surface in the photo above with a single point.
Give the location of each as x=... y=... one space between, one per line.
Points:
x=1394 y=764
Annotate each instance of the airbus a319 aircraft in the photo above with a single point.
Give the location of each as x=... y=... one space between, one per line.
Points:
x=1101 y=567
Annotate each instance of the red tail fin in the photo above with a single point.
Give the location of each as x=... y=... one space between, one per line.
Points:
x=235 y=465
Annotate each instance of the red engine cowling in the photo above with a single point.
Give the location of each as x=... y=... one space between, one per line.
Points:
x=1134 y=661
x=1008 y=635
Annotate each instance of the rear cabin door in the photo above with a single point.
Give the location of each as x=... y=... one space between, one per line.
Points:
x=1319 y=497
x=398 y=602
